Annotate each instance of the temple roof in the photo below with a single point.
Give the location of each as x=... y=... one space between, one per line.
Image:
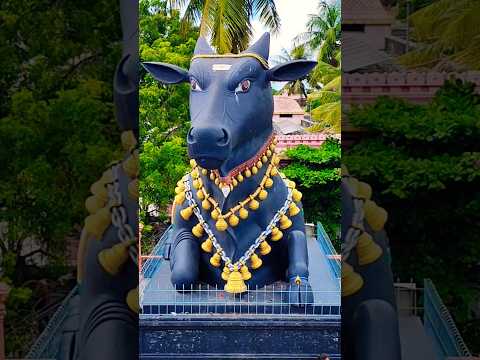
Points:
x=286 y=105
x=364 y=12
x=357 y=54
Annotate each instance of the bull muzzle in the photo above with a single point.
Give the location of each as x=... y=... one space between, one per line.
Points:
x=209 y=146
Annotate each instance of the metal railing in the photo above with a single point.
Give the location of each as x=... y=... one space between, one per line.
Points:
x=152 y=260
x=440 y=326
x=47 y=345
x=272 y=301
x=334 y=260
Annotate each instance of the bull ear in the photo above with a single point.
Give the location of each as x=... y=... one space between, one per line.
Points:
x=166 y=73
x=290 y=71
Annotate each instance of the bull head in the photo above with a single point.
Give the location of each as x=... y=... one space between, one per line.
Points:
x=231 y=102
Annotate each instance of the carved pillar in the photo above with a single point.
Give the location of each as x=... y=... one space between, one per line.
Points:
x=4 y=290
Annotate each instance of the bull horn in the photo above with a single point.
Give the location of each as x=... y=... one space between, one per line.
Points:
x=261 y=46
x=202 y=47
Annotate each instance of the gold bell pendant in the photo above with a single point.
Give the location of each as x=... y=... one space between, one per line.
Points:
x=179 y=198
x=276 y=234
x=285 y=222
x=93 y=204
x=268 y=183
x=113 y=258
x=364 y=190
x=214 y=214
x=296 y=195
x=235 y=283
x=375 y=215
x=233 y=220
x=186 y=213
x=351 y=281
x=98 y=189
x=206 y=204
x=215 y=259
x=132 y=300
x=255 y=262
x=245 y=273
x=197 y=230
x=265 y=248
x=207 y=245
x=97 y=223
x=243 y=213
x=253 y=204
x=221 y=224
x=293 y=209
x=262 y=195
x=226 y=273
x=368 y=250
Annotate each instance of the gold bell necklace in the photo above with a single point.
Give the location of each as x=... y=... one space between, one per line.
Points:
x=234 y=273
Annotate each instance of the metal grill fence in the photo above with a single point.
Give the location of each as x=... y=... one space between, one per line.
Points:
x=273 y=300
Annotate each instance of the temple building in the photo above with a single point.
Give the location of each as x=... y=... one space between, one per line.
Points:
x=288 y=115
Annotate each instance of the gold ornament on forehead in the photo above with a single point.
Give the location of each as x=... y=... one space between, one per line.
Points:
x=260 y=59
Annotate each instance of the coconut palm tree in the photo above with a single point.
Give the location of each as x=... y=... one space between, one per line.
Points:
x=325 y=102
x=447 y=34
x=324 y=32
x=228 y=23
x=297 y=86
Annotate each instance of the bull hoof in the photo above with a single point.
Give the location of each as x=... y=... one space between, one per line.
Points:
x=299 y=295
x=183 y=282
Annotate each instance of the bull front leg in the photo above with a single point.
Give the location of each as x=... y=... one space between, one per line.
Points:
x=299 y=290
x=184 y=261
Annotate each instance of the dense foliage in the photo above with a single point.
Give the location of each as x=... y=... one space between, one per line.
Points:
x=164 y=116
x=57 y=131
x=317 y=174
x=424 y=163
x=446 y=34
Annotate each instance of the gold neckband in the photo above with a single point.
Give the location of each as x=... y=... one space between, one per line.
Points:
x=244 y=55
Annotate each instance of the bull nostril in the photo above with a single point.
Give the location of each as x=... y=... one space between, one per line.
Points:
x=224 y=140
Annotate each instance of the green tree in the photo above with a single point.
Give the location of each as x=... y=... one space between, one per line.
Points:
x=57 y=131
x=423 y=162
x=164 y=112
x=447 y=34
x=317 y=174
x=324 y=32
x=228 y=23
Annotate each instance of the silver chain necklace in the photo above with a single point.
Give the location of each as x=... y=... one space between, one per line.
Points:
x=251 y=250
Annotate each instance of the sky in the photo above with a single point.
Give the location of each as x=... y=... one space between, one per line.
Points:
x=294 y=17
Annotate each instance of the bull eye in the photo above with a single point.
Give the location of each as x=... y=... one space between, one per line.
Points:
x=243 y=86
x=194 y=85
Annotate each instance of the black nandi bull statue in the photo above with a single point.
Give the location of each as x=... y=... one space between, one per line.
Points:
x=236 y=218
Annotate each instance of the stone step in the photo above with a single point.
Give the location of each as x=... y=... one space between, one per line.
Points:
x=234 y=337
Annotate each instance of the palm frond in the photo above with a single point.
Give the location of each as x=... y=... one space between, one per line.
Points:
x=267 y=11
x=327 y=118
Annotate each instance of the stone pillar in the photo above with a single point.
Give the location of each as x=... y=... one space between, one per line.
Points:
x=4 y=290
